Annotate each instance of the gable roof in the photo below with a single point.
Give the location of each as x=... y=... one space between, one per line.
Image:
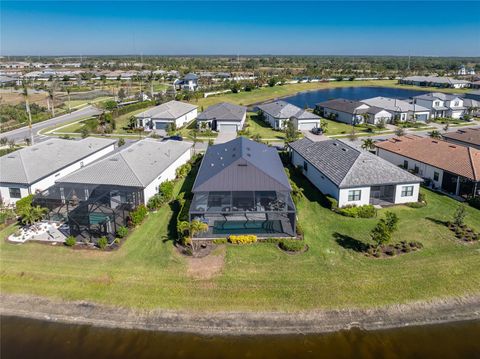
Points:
x=435 y=79
x=135 y=166
x=223 y=111
x=431 y=96
x=170 y=110
x=348 y=167
x=467 y=135
x=394 y=105
x=460 y=160
x=30 y=164
x=343 y=105
x=283 y=109
x=241 y=165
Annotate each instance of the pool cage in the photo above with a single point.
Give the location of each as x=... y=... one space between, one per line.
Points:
x=90 y=211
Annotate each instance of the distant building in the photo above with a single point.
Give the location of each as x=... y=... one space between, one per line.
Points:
x=399 y=109
x=352 y=112
x=434 y=81
x=441 y=104
x=223 y=117
x=463 y=71
x=188 y=83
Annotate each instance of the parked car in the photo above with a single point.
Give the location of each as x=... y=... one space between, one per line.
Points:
x=317 y=131
x=176 y=138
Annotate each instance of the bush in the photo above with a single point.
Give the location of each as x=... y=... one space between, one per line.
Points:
x=155 y=202
x=70 y=241
x=183 y=170
x=166 y=190
x=474 y=202
x=23 y=204
x=138 y=215
x=291 y=245
x=220 y=241
x=122 y=232
x=242 y=239
x=366 y=211
x=333 y=203
x=300 y=231
x=416 y=204
x=102 y=242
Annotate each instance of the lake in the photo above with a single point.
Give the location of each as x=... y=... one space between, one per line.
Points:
x=27 y=338
x=310 y=98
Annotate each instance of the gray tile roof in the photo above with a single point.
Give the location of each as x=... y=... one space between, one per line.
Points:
x=348 y=167
x=435 y=79
x=436 y=95
x=241 y=165
x=30 y=164
x=168 y=111
x=282 y=109
x=343 y=105
x=394 y=105
x=135 y=166
x=223 y=111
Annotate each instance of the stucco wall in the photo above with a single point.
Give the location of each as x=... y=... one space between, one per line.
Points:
x=364 y=197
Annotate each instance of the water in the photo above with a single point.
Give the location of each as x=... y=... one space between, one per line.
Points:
x=26 y=338
x=310 y=98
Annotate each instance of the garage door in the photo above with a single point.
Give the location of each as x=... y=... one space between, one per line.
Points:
x=306 y=126
x=161 y=125
x=422 y=117
x=227 y=128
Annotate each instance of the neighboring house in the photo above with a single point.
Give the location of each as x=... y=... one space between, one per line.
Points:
x=351 y=176
x=434 y=81
x=399 y=109
x=242 y=188
x=463 y=71
x=441 y=104
x=36 y=168
x=223 y=117
x=451 y=168
x=352 y=112
x=279 y=112
x=95 y=200
x=472 y=107
x=159 y=117
x=188 y=83
x=465 y=137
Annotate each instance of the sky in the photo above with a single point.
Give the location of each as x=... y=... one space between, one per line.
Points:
x=430 y=28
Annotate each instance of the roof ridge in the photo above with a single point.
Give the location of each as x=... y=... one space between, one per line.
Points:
x=23 y=165
x=351 y=167
x=472 y=162
x=261 y=169
x=131 y=169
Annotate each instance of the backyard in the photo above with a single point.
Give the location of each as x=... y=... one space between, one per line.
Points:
x=148 y=272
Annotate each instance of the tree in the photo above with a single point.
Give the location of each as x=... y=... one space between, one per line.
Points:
x=121 y=94
x=400 y=131
x=447 y=126
x=32 y=214
x=84 y=132
x=459 y=215
x=382 y=232
x=291 y=133
x=68 y=94
x=121 y=142
x=368 y=144
x=324 y=126
x=27 y=107
x=435 y=134
x=353 y=134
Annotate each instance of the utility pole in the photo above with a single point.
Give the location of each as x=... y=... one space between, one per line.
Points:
x=27 y=107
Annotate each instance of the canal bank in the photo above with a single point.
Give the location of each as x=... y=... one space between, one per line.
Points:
x=242 y=323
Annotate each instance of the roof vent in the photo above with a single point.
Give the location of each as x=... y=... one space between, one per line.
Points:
x=344 y=149
x=212 y=164
x=335 y=144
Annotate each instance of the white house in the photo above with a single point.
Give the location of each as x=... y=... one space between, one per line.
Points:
x=351 y=176
x=463 y=71
x=159 y=117
x=434 y=81
x=441 y=104
x=352 y=112
x=36 y=168
x=279 y=112
x=188 y=83
x=449 y=167
x=223 y=117
x=399 y=109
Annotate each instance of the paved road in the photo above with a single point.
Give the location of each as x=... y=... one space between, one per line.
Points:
x=22 y=133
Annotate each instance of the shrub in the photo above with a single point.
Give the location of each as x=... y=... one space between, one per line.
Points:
x=102 y=242
x=121 y=142
x=138 y=215
x=242 y=239
x=366 y=211
x=23 y=204
x=155 y=202
x=70 y=241
x=166 y=190
x=300 y=229
x=292 y=245
x=459 y=215
x=416 y=204
x=220 y=241
x=474 y=202
x=122 y=232
x=333 y=203
x=183 y=170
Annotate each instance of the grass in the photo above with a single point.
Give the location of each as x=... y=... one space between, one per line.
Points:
x=261 y=128
x=147 y=272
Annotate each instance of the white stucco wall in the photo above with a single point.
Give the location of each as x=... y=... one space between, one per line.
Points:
x=398 y=193
x=182 y=120
x=364 y=196
x=167 y=175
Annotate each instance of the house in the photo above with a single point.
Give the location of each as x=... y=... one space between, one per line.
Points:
x=188 y=83
x=472 y=107
x=463 y=71
x=351 y=176
x=441 y=104
x=448 y=167
x=223 y=117
x=434 y=81
x=399 y=109
x=241 y=188
x=279 y=112
x=36 y=168
x=465 y=137
x=97 y=199
x=172 y=112
x=352 y=112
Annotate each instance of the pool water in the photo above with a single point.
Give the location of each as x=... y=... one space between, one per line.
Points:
x=247 y=227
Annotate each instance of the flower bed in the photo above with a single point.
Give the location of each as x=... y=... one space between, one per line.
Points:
x=463 y=232
x=392 y=250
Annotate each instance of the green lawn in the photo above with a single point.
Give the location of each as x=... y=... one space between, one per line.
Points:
x=147 y=272
x=255 y=126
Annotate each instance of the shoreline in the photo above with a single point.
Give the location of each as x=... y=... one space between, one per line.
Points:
x=242 y=323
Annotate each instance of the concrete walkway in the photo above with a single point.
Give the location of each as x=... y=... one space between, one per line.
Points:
x=224 y=137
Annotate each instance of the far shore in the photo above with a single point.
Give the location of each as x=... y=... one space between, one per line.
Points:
x=242 y=323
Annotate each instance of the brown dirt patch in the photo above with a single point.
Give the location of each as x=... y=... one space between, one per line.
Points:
x=207 y=267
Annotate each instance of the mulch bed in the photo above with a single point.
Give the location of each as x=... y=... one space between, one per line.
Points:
x=463 y=232
x=305 y=249
x=201 y=249
x=392 y=250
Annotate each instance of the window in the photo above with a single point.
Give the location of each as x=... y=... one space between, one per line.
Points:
x=15 y=193
x=457 y=103
x=354 y=195
x=437 y=103
x=405 y=164
x=407 y=191
x=416 y=169
x=305 y=166
x=436 y=176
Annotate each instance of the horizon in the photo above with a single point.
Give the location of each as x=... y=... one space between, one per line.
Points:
x=198 y=28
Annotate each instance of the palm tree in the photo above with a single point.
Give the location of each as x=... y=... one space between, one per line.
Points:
x=68 y=94
x=435 y=134
x=51 y=95
x=31 y=215
x=368 y=144
x=27 y=107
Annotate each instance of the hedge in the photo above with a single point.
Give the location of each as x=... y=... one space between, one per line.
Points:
x=366 y=211
x=292 y=245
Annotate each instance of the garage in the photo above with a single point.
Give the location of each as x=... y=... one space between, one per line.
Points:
x=307 y=126
x=223 y=127
x=161 y=125
x=423 y=117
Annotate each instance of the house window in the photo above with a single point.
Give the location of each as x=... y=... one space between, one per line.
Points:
x=457 y=103
x=405 y=164
x=354 y=195
x=437 y=103
x=305 y=166
x=416 y=169
x=407 y=191
x=14 y=192
x=436 y=176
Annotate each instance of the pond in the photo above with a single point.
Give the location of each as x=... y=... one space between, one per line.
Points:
x=26 y=338
x=310 y=98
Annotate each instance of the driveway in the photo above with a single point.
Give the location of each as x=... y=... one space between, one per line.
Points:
x=315 y=138
x=224 y=137
x=21 y=133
